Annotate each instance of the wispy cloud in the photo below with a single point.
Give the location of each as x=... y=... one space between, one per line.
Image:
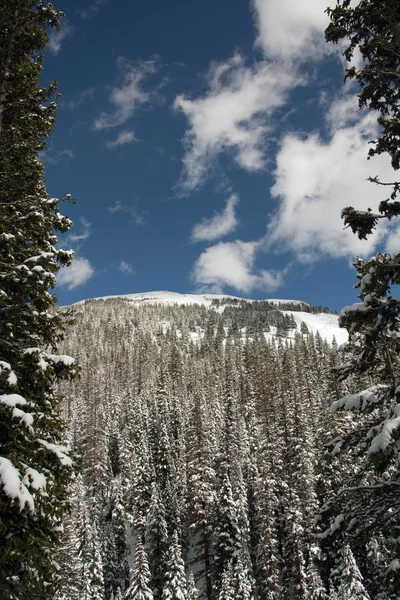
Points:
x=219 y=225
x=127 y=97
x=83 y=233
x=233 y=264
x=125 y=267
x=77 y=274
x=54 y=158
x=56 y=38
x=136 y=215
x=72 y=104
x=125 y=137
x=233 y=115
x=92 y=9
x=238 y=112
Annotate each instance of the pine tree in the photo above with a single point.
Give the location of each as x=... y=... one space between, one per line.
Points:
x=34 y=467
x=140 y=577
x=175 y=586
x=348 y=578
x=192 y=591
x=228 y=536
x=372 y=28
x=157 y=542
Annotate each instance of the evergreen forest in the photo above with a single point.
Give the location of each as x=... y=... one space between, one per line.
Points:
x=206 y=464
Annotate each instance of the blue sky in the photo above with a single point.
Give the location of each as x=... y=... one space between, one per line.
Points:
x=211 y=147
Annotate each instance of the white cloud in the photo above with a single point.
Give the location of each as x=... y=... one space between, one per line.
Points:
x=126 y=98
x=238 y=112
x=292 y=30
x=233 y=115
x=219 y=225
x=342 y=112
x=232 y=264
x=125 y=137
x=125 y=267
x=56 y=38
x=84 y=232
x=78 y=273
x=315 y=180
x=54 y=158
x=136 y=215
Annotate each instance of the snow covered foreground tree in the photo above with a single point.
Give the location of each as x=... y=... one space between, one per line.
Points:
x=369 y=504
x=34 y=466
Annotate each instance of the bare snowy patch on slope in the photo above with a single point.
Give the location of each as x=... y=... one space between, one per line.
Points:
x=326 y=324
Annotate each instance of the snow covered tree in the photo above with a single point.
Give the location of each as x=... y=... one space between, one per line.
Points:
x=347 y=577
x=140 y=577
x=157 y=542
x=192 y=591
x=175 y=586
x=228 y=544
x=372 y=505
x=34 y=467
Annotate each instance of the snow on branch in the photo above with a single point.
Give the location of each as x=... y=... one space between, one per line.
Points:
x=360 y=401
x=12 y=378
x=13 y=487
x=12 y=400
x=384 y=438
x=60 y=451
x=43 y=358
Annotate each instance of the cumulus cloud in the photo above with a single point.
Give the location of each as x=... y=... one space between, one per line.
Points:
x=219 y=225
x=232 y=264
x=314 y=180
x=125 y=137
x=56 y=38
x=290 y=30
x=232 y=115
x=125 y=267
x=77 y=274
x=129 y=95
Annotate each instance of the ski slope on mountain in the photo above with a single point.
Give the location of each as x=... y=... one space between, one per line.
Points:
x=326 y=324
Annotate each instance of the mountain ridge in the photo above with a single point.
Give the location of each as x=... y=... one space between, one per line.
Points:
x=326 y=324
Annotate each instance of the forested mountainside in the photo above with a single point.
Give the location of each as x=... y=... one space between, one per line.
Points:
x=202 y=435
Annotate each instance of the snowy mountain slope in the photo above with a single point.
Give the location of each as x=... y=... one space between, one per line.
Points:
x=325 y=324
x=166 y=297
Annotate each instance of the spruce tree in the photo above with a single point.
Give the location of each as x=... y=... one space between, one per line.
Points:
x=372 y=29
x=347 y=577
x=140 y=577
x=175 y=586
x=34 y=467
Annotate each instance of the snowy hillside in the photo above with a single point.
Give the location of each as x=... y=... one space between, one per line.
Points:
x=326 y=324
x=194 y=416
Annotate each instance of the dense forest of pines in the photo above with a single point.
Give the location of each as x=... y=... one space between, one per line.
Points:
x=203 y=462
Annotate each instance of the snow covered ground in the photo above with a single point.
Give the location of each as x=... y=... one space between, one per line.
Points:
x=326 y=324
